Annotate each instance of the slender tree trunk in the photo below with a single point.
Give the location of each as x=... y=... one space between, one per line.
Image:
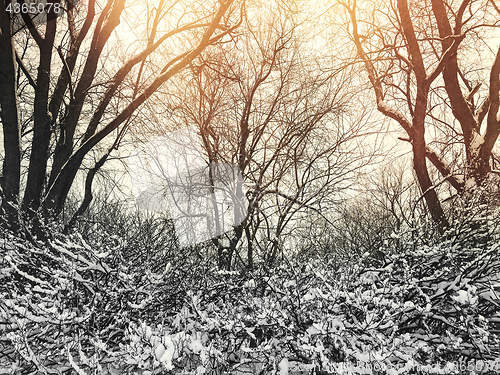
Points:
x=493 y=124
x=110 y=19
x=478 y=147
x=41 y=126
x=250 y=264
x=88 y=192
x=10 y=120
x=418 y=122
x=430 y=195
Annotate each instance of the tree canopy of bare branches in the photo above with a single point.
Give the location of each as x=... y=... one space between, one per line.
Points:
x=263 y=106
x=433 y=68
x=65 y=89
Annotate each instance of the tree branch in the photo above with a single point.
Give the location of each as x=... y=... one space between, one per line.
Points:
x=68 y=72
x=443 y=61
x=25 y=71
x=382 y=106
x=444 y=169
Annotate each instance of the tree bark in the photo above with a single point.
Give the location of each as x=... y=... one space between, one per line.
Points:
x=10 y=119
x=41 y=124
x=418 y=121
x=492 y=125
x=417 y=109
x=478 y=147
x=430 y=196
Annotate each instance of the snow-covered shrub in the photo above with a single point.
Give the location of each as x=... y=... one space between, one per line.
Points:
x=148 y=239
x=426 y=306
x=65 y=304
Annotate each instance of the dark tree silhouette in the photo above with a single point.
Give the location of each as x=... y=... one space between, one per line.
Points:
x=63 y=90
x=430 y=67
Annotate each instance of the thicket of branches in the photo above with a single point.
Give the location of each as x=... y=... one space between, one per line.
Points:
x=348 y=258
x=81 y=304
x=66 y=97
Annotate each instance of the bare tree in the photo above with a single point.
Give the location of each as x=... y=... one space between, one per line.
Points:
x=418 y=55
x=264 y=107
x=81 y=95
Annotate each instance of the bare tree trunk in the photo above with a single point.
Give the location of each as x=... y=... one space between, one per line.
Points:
x=42 y=123
x=250 y=262
x=417 y=107
x=430 y=196
x=87 y=199
x=110 y=19
x=478 y=147
x=10 y=120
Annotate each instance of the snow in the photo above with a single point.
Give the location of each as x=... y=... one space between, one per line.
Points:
x=313 y=330
x=155 y=347
x=167 y=353
x=460 y=178
x=78 y=370
x=476 y=143
x=409 y=305
x=284 y=366
x=196 y=346
x=470 y=184
x=159 y=351
x=249 y=284
x=466 y=297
